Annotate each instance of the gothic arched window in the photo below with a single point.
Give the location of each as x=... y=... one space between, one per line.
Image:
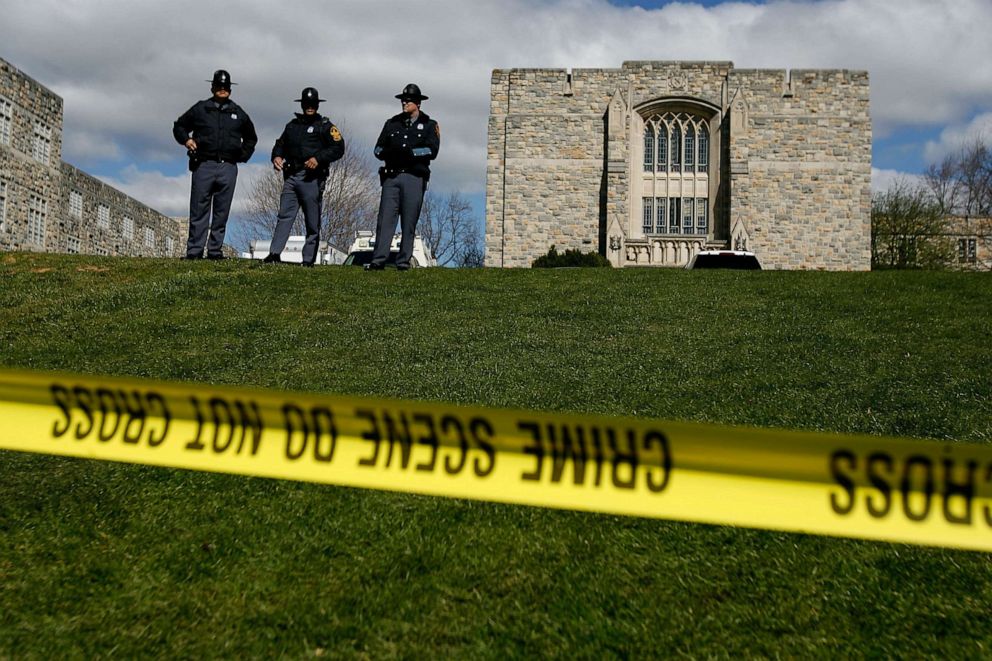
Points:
x=675 y=196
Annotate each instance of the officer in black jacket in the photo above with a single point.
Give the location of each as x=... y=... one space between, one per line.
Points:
x=408 y=143
x=303 y=153
x=217 y=134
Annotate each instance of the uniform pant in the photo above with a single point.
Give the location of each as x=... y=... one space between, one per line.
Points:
x=298 y=191
x=212 y=189
x=403 y=196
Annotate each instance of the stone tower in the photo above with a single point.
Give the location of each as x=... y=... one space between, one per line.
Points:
x=649 y=163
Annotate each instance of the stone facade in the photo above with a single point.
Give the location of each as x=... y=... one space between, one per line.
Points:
x=47 y=205
x=972 y=242
x=775 y=162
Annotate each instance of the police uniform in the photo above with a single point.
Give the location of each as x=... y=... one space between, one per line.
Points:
x=407 y=146
x=225 y=136
x=305 y=137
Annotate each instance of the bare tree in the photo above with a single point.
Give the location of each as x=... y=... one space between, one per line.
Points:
x=450 y=230
x=351 y=199
x=961 y=183
x=974 y=175
x=908 y=229
x=941 y=178
x=473 y=257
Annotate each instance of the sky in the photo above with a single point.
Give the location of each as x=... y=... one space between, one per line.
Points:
x=127 y=69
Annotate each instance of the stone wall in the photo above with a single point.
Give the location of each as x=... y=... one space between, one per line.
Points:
x=790 y=163
x=80 y=214
x=149 y=234
x=801 y=167
x=30 y=184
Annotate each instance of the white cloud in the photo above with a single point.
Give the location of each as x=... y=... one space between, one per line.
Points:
x=170 y=194
x=956 y=136
x=126 y=70
x=883 y=180
x=167 y=194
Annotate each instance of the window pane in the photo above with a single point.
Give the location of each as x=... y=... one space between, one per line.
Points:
x=674 y=211
x=662 y=222
x=687 y=216
x=702 y=210
x=704 y=149
x=676 y=149
x=663 y=148
x=648 y=149
x=648 y=214
x=3 y=205
x=690 y=148
x=6 y=116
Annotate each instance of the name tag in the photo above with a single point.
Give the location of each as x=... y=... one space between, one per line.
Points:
x=234 y=115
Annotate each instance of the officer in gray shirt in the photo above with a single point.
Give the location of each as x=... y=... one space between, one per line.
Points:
x=408 y=143
x=307 y=147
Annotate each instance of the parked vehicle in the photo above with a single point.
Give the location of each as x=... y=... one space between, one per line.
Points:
x=724 y=259
x=293 y=252
x=360 y=253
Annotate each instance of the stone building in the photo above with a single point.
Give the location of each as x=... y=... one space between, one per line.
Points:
x=47 y=205
x=654 y=161
x=972 y=242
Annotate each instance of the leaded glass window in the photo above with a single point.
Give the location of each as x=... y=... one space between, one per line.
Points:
x=704 y=149
x=6 y=121
x=687 y=216
x=37 y=213
x=662 y=149
x=42 y=149
x=75 y=204
x=690 y=147
x=674 y=211
x=675 y=184
x=3 y=205
x=649 y=151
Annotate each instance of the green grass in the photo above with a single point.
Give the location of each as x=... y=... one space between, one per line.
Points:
x=100 y=559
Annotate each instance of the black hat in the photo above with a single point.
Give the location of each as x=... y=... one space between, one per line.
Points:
x=221 y=79
x=309 y=96
x=411 y=91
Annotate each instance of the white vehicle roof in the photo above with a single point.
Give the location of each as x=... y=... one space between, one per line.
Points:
x=293 y=252
x=365 y=241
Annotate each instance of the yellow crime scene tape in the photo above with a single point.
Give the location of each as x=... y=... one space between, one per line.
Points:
x=853 y=486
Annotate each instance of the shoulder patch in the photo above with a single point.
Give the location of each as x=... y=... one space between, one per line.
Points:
x=335 y=133
x=437 y=129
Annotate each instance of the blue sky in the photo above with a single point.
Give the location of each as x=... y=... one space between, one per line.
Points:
x=659 y=5
x=127 y=69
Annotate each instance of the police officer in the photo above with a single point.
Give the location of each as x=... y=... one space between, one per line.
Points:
x=408 y=143
x=303 y=153
x=217 y=134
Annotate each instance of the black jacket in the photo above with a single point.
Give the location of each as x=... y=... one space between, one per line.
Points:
x=308 y=136
x=223 y=132
x=397 y=142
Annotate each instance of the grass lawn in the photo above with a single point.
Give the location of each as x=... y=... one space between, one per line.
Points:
x=100 y=559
